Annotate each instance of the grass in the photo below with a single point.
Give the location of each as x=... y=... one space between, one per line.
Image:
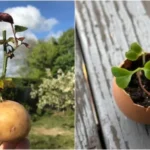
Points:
x=54 y=131
x=58 y=119
x=51 y=142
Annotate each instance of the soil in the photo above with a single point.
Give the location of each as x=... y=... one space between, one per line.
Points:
x=134 y=90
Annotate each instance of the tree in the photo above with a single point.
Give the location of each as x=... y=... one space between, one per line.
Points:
x=54 y=54
x=42 y=56
x=65 y=59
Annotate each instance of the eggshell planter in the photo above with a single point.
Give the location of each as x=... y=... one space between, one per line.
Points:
x=133 y=111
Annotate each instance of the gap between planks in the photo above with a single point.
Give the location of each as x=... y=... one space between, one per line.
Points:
x=87 y=79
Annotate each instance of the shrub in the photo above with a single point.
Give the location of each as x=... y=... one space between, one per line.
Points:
x=57 y=93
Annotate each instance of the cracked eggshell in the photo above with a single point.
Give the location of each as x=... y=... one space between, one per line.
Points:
x=133 y=111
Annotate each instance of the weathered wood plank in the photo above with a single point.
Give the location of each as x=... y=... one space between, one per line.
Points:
x=106 y=29
x=86 y=128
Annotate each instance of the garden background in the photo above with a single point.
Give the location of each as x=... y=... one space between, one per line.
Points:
x=43 y=78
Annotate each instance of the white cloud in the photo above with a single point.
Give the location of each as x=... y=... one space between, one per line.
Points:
x=31 y=17
x=54 y=34
x=28 y=35
x=7 y=27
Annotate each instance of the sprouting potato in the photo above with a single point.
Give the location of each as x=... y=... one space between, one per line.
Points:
x=14 y=121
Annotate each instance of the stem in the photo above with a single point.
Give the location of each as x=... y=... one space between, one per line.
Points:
x=4 y=66
x=136 y=70
x=138 y=74
x=143 y=58
x=5 y=56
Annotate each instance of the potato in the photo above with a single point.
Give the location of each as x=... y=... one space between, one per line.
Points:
x=14 y=121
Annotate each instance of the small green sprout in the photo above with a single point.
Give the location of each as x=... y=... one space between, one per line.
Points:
x=123 y=76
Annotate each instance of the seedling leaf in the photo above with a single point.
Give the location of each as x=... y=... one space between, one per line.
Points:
x=147 y=70
x=118 y=72
x=123 y=82
x=134 y=52
x=136 y=48
x=131 y=55
x=20 y=28
x=122 y=75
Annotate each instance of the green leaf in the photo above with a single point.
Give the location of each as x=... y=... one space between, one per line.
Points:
x=136 y=48
x=123 y=76
x=134 y=52
x=131 y=55
x=11 y=39
x=118 y=72
x=123 y=82
x=2 y=42
x=147 y=70
x=20 y=28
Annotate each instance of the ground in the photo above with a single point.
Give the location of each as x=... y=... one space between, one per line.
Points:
x=55 y=131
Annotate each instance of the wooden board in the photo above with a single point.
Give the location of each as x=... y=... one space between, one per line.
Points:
x=106 y=29
x=86 y=128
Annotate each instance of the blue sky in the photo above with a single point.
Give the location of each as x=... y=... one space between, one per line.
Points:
x=62 y=11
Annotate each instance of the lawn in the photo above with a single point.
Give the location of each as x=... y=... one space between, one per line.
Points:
x=53 y=131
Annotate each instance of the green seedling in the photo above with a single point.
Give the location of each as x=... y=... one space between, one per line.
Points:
x=123 y=76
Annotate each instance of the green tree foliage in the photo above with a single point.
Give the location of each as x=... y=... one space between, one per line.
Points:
x=65 y=59
x=41 y=57
x=54 y=54
x=66 y=42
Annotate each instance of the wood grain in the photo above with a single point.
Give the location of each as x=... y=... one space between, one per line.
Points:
x=86 y=128
x=106 y=29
